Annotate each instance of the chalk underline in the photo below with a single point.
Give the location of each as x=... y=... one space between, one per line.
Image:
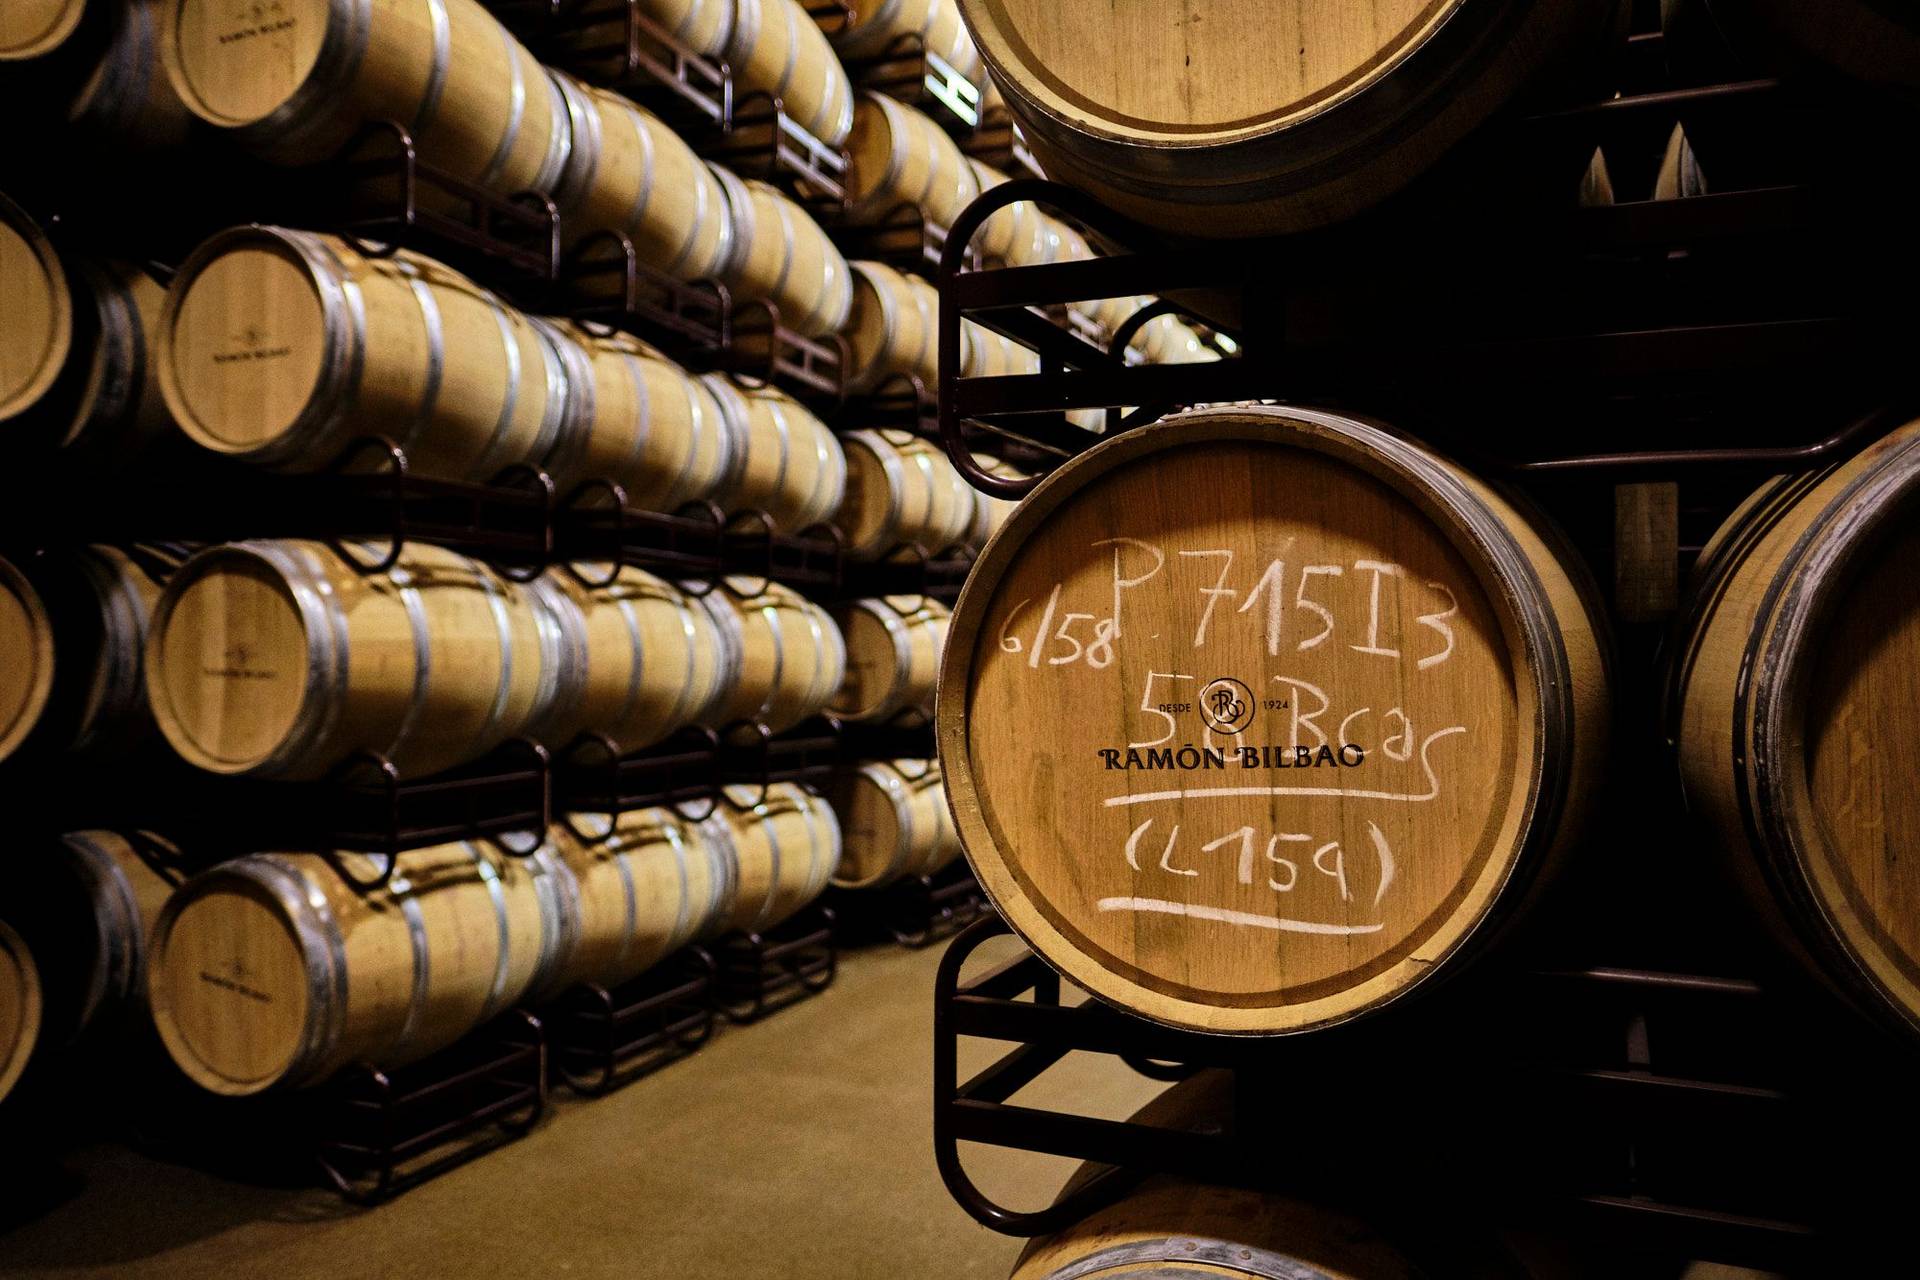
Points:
x=1196 y=793
x=1224 y=916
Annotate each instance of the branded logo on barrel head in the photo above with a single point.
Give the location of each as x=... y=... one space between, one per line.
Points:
x=1226 y=705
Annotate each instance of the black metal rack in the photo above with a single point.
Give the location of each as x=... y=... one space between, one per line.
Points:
x=603 y=1040
x=915 y=912
x=1684 y=1092
x=762 y=973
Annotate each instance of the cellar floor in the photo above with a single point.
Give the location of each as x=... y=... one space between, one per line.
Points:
x=799 y=1148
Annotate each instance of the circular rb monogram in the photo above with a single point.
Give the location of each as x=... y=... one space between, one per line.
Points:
x=1226 y=705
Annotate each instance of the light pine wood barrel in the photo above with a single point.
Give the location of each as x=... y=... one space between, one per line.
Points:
x=36 y=326
x=787 y=656
x=640 y=420
x=639 y=660
x=276 y=658
x=893 y=328
x=282 y=347
x=893 y=656
x=780 y=253
x=20 y=1006
x=896 y=156
x=1234 y=121
x=295 y=83
x=786 y=461
x=655 y=884
x=876 y=27
x=901 y=490
x=271 y=971
x=90 y=903
x=628 y=172
x=26 y=678
x=1796 y=694
x=783 y=844
x=893 y=823
x=776 y=47
x=1311 y=712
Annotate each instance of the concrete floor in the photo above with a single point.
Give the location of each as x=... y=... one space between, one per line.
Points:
x=799 y=1148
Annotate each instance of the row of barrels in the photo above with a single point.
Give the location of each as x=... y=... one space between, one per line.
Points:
x=1225 y=125
x=271 y=970
x=277 y=658
x=1258 y=720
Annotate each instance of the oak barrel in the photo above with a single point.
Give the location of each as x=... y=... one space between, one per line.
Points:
x=19 y=1008
x=655 y=883
x=638 y=659
x=276 y=658
x=893 y=823
x=893 y=656
x=295 y=82
x=1231 y=119
x=783 y=843
x=989 y=512
x=1796 y=691
x=282 y=347
x=26 y=679
x=127 y=98
x=893 y=328
x=776 y=47
x=1014 y=235
x=35 y=28
x=1254 y=720
x=883 y=27
x=110 y=404
x=640 y=420
x=273 y=971
x=780 y=253
x=901 y=490
x=786 y=462
x=36 y=326
x=787 y=656
x=90 y=900
x=628 y=172
x=896 y=156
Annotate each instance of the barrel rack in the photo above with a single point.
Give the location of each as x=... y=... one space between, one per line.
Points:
x=375 y=1134
x=1676 y=1089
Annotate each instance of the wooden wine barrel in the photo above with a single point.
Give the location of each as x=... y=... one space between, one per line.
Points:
x=896 y=156
x=630 y=172
x=780 y=253
x=787 y=655
x=776 y=47
x=989 y=512
x=894 y=328
x=35 y=28
x=786 y=462
x=1795 y=698
x=1230 y=121
x=95 y=605
x=639 y=420
x=893 y=656
x=893 y=823
x=987 y=354
x=656 y=883
x=89 y=903
x=901 y=490
x=26 y=680
x=272 y=971
x=1877 y=41
x=295 y=84
x=36 y=326
x=19 y=1008
x=1254 y=720
x=881 y=27
x=282 y=347
x=126 y=97
x=783 y=844
x=1014 y=236
x=276 y=658
x=638 y=659
x=109 y=403
x=701 y=25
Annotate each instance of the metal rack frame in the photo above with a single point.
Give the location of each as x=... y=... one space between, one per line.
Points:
x=762 y=973
x=605 y=1040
